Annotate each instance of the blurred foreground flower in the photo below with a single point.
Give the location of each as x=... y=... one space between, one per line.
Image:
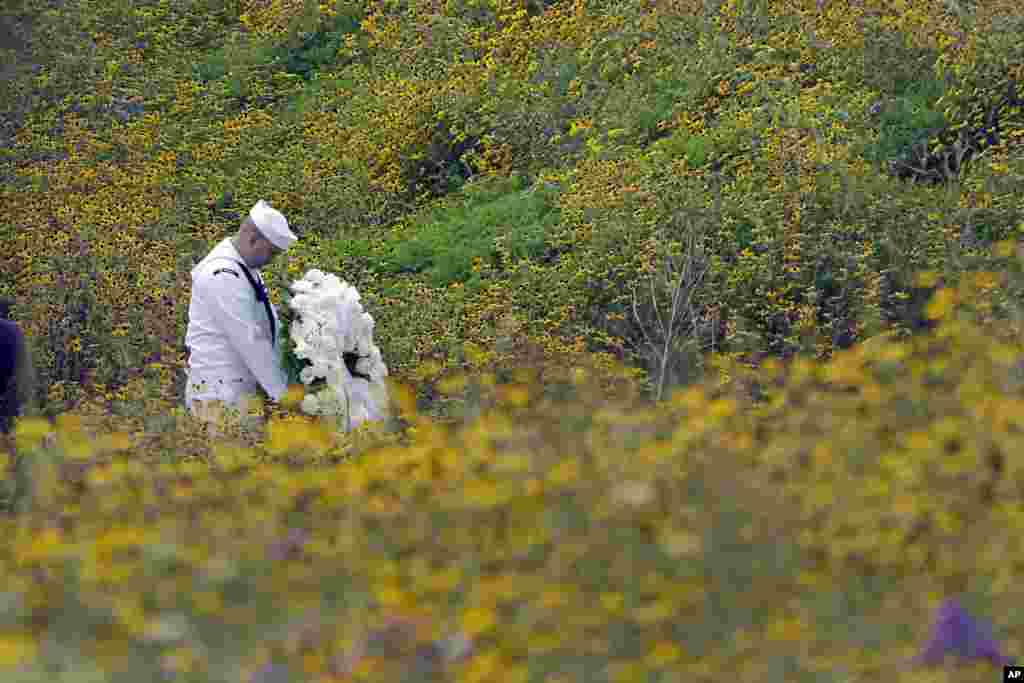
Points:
x=400 y=638
x=270 y=673
x=956 y=632
x=287 y=547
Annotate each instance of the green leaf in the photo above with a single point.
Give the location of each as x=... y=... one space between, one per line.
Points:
x=696 y=150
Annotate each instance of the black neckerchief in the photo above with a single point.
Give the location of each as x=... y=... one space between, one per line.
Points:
x=261 y=295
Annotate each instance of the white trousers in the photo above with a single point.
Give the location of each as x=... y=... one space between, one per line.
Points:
x=208 y=397
x=225 y=388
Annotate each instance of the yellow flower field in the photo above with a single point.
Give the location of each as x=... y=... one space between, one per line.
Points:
x=510 y=184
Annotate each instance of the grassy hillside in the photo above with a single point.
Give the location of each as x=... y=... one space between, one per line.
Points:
x=462 y=163
x=519 y=188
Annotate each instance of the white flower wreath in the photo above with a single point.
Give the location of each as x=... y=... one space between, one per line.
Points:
x=326 y=323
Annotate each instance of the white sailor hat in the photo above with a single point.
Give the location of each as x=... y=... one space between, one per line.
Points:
x=272 y=224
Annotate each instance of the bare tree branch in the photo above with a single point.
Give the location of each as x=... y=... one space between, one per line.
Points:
x=680 y=277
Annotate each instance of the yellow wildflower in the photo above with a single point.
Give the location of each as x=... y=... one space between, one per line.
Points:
x=478 y=620
x=663 y=654
x=16 y=649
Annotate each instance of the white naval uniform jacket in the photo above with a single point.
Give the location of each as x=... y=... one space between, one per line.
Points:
x=228 y=334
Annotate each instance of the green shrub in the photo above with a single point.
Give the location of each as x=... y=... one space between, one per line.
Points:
x=214 y=67
x=912 y=118
x=315 y=50
x=504 y=221
x=660 y=106
x=305 y=54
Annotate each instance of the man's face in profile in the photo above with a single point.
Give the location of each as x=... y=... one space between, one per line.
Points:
x=263 y=252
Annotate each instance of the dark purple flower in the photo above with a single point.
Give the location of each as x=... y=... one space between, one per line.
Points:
x=956 y=632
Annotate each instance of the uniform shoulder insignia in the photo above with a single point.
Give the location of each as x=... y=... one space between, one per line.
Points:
x=226 y=270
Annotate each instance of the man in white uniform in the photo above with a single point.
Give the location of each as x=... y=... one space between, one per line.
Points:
x=231 y=336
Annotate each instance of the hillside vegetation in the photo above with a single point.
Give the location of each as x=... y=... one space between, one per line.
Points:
x=520 y=189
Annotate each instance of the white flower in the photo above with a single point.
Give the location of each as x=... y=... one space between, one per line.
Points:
x=307 y=376
x=337 y=376
x=329 y=322
x=364 y=365
x=328 y=401
x=310 y=404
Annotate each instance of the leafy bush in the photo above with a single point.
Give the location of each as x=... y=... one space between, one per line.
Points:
x=214 y=67
x=317 y=49
x=498 y=223
x=658 y=108
x=244 y=63
x=911 y=118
